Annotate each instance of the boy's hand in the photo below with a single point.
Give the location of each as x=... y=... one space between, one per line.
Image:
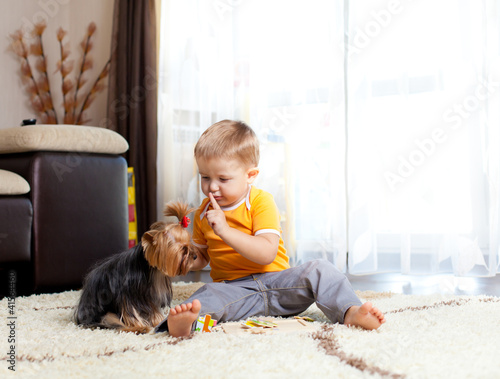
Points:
x=261 y=249
x=215 y=217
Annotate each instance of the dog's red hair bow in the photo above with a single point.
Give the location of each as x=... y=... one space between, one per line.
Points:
x=185 y=221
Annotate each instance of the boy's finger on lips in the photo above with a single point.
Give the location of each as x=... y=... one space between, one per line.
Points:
x=213 y=201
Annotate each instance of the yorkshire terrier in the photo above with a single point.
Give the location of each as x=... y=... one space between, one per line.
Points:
x=129 y=291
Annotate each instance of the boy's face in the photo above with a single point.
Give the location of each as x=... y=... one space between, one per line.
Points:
x=227 y=179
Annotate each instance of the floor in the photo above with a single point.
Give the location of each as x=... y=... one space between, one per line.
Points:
x=407 y=284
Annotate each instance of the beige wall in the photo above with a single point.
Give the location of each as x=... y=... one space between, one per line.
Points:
x=73 y=16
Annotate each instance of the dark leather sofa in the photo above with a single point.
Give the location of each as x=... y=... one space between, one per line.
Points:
x=75 y=214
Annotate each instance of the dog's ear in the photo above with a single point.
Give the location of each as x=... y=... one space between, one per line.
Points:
x=147 y=240
x=161 y=250
x=151 y=244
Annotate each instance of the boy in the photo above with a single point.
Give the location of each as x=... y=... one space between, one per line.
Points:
x=237 y=229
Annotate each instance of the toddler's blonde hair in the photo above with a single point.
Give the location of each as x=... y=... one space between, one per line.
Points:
x=229 y=139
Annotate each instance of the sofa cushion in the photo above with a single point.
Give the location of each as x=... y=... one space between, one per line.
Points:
x=16 y=219
x=12 y=184
x=74 y=138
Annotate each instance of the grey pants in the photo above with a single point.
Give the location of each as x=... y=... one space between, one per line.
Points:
x=282 y=293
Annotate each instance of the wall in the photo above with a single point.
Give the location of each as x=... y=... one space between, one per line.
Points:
x=74 y=17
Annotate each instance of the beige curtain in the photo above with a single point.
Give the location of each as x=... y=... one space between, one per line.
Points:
x=132 y=98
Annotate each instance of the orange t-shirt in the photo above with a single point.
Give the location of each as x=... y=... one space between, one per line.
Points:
x=254 y=215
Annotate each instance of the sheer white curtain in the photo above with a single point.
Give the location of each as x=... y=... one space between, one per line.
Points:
x=423 y=147
x=378 y=122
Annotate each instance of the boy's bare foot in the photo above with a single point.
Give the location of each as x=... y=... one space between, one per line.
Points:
x=365 y=316
x=180 y=319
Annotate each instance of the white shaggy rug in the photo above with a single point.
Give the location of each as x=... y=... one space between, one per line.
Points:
x=424 y=337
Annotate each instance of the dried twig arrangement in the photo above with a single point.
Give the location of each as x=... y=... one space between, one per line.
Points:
x=75 y=103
